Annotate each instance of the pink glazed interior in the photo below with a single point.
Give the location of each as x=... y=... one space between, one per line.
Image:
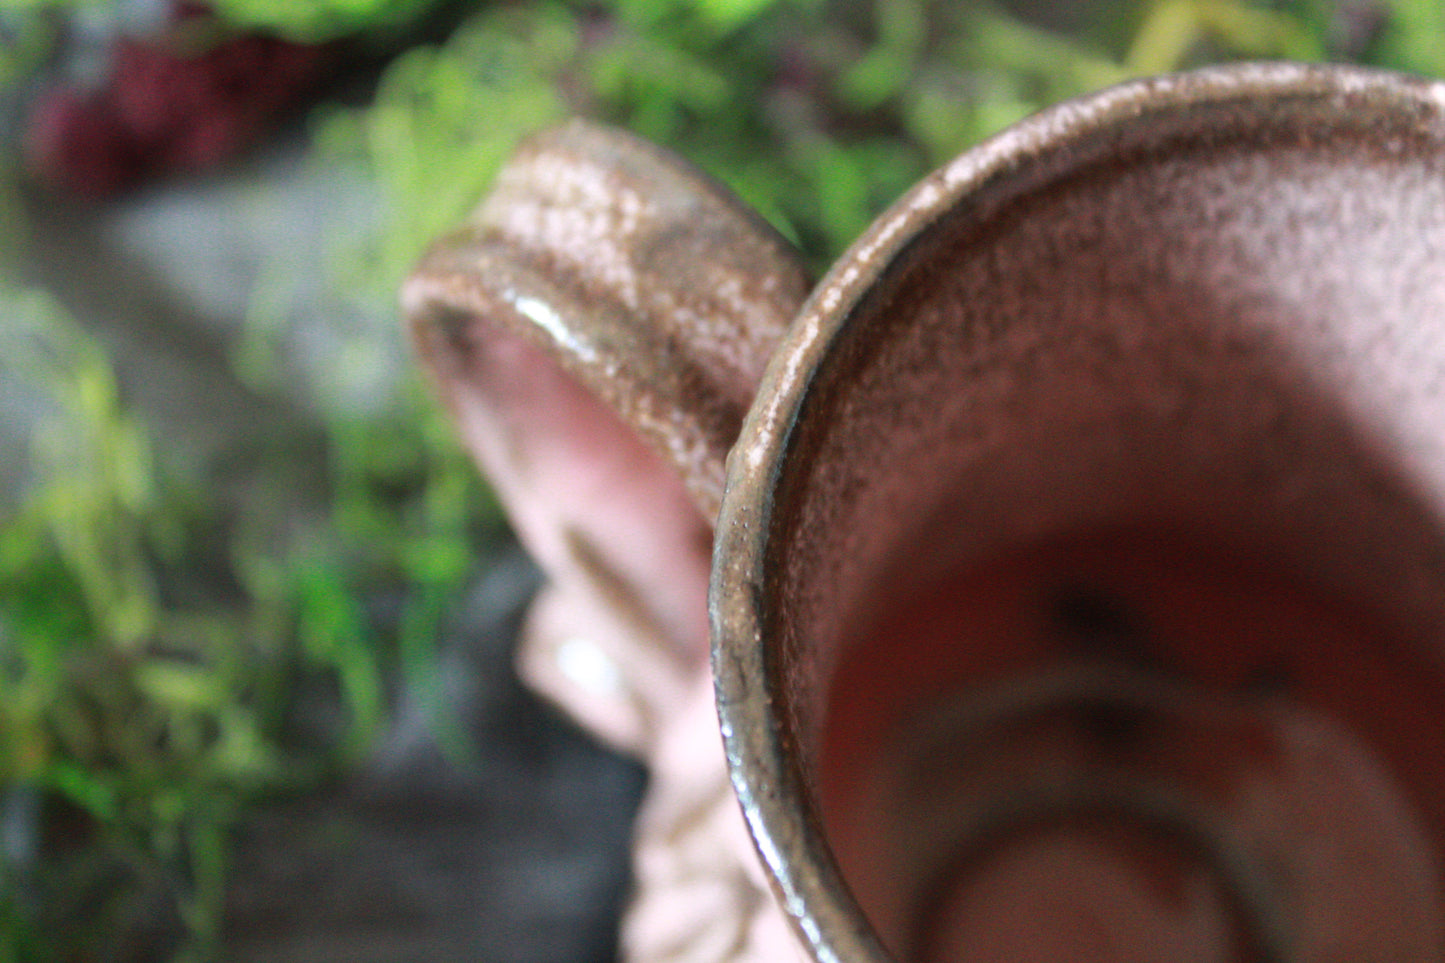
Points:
x=597 y=506
x=621 y=627
x=1327 y=756
x=1106 y=567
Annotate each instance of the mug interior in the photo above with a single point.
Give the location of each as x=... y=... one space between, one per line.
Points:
x=1096 y=569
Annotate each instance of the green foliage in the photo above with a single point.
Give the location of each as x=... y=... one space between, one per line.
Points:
x=311 y=21
x=320 y=20
x=161 y=721
x=27 y=35
x=1413 y=38
x=95 y=475
x=443 y=120
x=817 y=113
x=109 y=701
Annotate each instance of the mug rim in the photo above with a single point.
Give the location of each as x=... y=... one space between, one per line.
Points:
x=760 y=751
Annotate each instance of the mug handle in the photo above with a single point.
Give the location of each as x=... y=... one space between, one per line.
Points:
x=598 y=328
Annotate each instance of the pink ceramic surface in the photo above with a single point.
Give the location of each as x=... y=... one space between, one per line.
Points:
x=1078 y=580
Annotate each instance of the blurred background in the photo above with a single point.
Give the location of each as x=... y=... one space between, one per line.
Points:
x=256 y=609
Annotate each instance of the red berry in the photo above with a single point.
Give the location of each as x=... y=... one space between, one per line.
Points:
x=168 y=107
x=76 y=142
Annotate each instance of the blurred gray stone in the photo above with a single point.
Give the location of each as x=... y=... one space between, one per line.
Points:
x=514 y=853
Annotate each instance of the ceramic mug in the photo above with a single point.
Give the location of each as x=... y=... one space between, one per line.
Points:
x=1078 y=580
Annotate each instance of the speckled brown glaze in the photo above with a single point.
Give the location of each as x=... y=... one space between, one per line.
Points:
x=1212 y=302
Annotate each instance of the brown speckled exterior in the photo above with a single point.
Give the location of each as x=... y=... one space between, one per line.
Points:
x=1216 y=297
